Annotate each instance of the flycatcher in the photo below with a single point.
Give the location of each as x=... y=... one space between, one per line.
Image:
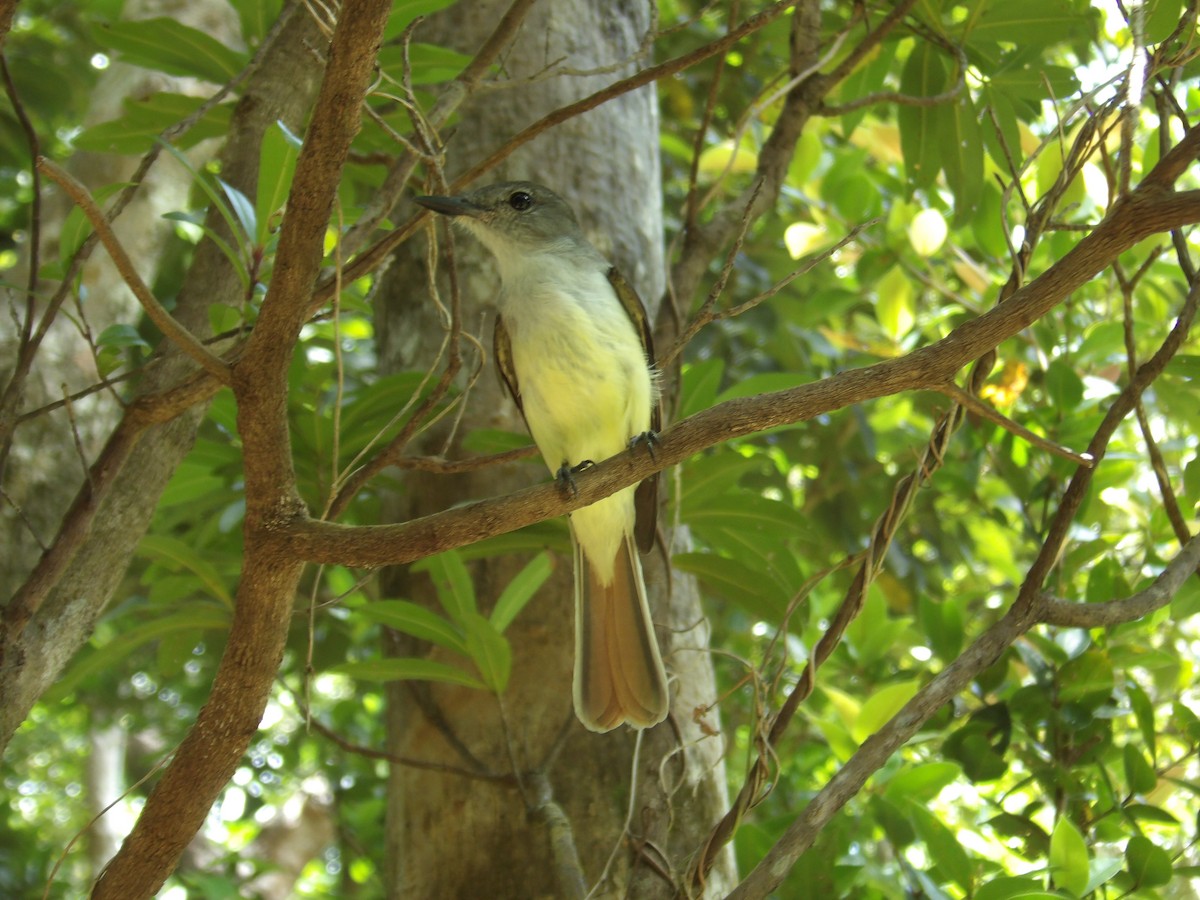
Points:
x=572 y=344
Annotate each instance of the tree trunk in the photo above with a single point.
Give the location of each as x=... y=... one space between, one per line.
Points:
x=451 y=835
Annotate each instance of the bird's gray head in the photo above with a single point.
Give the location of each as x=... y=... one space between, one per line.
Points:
x=513 y=217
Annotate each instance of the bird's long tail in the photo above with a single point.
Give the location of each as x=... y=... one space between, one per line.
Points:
x=619 y=674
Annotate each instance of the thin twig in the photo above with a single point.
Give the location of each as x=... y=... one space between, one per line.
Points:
x=977 y=406
x=184 y=339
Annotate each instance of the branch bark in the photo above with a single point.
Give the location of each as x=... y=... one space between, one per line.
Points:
x=1145 y=212
x=209 y=755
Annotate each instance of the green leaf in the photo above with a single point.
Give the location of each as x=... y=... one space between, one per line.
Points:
x=489 y=650
x=121 y=335
x=276 y=166
x=945 y=852
x=145 y=118
x=176 y=555
x=921 y=782
x=757 y=593
x=520 y=590
x=453 y=583
x=256 y=17
x=1064 y=386
x=1147 y=862
x=894 y=303
x=167 y=45
x=240 y=204
x=1139 y=775
x=414 y=619
x=408 y=669
x=962 y=155
x=76 y=227
x=1143 y=711
x=1029 y=23
x=924 y=75
x=881 y=706
x=699 y=385
x=1101 y=871
x=198 y=617
x=1087 y=675
x=1011 y=888
x=404 y=11
x=1146 y=813
x=429 y=63
x=1068 y=857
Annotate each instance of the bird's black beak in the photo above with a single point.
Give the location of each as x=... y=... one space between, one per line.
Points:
x=450 y=206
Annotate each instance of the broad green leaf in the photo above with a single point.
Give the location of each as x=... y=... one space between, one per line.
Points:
x=1029 y=23
x=1144 y=812
x=924 y=75
x=894 y=303
x=120 y=334
x=945 y=852
x=881 y=706
x=1139 y=775
x=178 y=555
x=754 y=591
x=242 y=208
x=276 y=166
x=1068 y=857
x=429 y=63
x=145 y=118
x=455 y=590
x=700 y=383
x=404 y=11
x=1034 y=840
x=1089 y=674
x=489 y=650
x=921 y=782
x=414 y=619
x=1012 y=888
x=1101 y=871
x=218 y=199
x=1143 y=711
x=256 y=17
x=1064 y=386
x=408 y=669
x=1148 y=863
x=962 y=155
x=76 y=228
x=198 y=617
x=520 y=590
x=167 y=45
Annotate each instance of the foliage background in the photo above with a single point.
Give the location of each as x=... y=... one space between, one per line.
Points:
x=1070 y=766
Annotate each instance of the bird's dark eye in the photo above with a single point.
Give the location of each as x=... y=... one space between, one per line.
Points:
x=520 y=201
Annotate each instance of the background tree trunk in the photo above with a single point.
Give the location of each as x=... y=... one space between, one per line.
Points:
x=447 y=832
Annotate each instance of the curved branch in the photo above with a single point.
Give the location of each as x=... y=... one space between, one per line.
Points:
x=931 y=367
x=167 y=324
x=1069 y=614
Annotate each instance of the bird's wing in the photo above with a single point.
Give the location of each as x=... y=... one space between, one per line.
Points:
x=502 y=350
x=646 y=497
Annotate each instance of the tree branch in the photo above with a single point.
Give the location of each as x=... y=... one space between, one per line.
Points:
x=210 y=753
x=931 y=367
x=184 y=339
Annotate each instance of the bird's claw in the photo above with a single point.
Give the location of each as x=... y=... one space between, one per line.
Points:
x=565 y=476
x=648 y=438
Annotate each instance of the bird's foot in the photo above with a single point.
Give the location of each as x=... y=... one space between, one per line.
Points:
x=565 y=476
x=648 y=438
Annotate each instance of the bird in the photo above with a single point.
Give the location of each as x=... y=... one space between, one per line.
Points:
x=573 y=347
